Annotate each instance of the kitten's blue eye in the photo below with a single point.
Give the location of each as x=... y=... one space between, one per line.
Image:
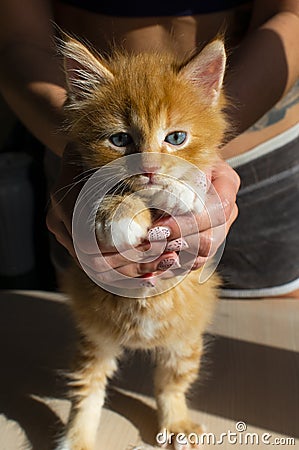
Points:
x=176 y=138
x=121 y=139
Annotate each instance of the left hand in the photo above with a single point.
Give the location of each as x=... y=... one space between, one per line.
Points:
x=210 y=227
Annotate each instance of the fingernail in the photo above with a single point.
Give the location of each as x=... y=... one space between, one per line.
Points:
x=177 y=245
x=168 y=263
x=158 y=234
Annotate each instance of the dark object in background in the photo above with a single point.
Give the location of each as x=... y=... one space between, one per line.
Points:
x=24 y=253
x=16 y=216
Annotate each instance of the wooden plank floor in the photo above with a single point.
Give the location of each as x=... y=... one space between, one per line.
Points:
x=250 y=375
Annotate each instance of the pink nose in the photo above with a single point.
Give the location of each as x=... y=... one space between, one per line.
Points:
x=150 y=163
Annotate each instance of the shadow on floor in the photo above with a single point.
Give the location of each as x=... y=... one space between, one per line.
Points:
x=34 y=344
x=241 y=380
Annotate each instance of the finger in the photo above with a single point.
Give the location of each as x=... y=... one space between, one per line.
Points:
x=186 y=225
x=203 y=245
x=206 y=243
x=62 y=235
x=220 y=205
x=212 y=216
x=192 y=264
x=165 y=262
x=51 y=221
x=199 y=263
x=226 y=183
x=64 y=218
x=101 y=262
x=232 y=218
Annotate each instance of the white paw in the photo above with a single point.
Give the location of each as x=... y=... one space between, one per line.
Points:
x=176 y=198
x=128 y=233
x=122 y=234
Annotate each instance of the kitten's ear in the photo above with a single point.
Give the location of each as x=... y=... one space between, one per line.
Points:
x=84 y=72
x=207 y=70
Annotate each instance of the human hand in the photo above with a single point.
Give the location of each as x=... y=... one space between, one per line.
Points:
x=197 y=237
x=110 y=266
x=105 y=262
x=63 y=197
x=204 y=235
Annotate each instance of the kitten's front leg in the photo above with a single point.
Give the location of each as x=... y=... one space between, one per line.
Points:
x=122 y=221
x=177 y=368
x=94 y=365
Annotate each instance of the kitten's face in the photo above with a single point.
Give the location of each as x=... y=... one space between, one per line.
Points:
x=149 y=105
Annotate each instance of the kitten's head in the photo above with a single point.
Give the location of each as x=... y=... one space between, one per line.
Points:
x=145 y=103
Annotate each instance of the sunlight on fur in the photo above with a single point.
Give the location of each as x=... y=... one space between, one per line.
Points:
x=127 y=104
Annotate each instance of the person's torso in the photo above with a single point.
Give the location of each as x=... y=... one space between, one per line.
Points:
x=188 y=26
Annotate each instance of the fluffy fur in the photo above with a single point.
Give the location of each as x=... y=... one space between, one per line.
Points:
x=147 y=96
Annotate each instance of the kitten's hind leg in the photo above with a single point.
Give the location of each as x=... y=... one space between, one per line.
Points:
x=94 y=365
x=177 y=368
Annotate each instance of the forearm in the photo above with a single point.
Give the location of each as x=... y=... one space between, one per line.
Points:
x=262 y=69
x=31 y=82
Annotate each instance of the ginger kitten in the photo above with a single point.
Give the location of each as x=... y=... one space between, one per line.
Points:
x=146 y=104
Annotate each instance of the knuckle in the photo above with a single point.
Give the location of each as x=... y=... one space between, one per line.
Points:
x=234 y=176
x=105 y=277
x=234 y=215
x=237 y=179
x=198 y=263
x=228 y=206
x=60 y=238
x=206 y=243
x=235 y=211
x=50 y=221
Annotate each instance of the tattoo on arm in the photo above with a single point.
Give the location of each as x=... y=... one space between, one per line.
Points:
x=279 y=111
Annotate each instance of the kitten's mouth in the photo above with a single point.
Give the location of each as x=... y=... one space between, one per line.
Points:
x=149 y=180
x=150 y=176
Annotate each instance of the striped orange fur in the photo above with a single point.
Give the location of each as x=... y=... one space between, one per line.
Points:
x=146 y=96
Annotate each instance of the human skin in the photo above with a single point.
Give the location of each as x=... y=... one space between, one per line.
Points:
x=32 y=82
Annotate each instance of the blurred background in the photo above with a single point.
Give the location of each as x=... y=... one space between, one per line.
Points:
x=24 y=240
